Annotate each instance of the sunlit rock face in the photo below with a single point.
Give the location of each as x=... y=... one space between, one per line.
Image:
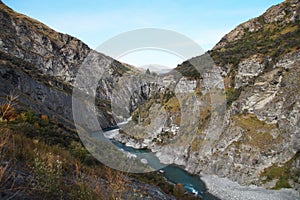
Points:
x=258 y=63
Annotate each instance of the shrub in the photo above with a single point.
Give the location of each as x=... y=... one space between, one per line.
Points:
x=78 y=151
x=178 y=190
x=7 y=110
x=232 y=95
x=44 y=120
x=28 y=116
x=48 y=168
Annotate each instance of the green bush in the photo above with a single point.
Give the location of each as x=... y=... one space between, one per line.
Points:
x=48 y=168
x=232 y=95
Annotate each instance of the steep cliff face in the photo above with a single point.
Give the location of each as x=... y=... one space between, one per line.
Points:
x=52 y=53
x=261 y=130
x=258 y=63
x=41 y=64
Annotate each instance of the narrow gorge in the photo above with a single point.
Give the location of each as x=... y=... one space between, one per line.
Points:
x=230 y=116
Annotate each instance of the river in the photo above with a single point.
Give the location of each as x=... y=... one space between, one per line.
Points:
x=173 y=173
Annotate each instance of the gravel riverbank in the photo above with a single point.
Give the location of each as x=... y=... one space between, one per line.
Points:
x=226 y=189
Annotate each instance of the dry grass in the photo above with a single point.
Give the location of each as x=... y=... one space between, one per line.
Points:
x=8 y=189
x=50 y=166
x=53 y=168
x=56 y=172
x=5 y=140
x=117 y=182
x=257 y=133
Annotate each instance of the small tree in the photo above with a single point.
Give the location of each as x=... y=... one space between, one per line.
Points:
x=148 y=72
x=7 y=111
x=178 y=190
x=153 y=73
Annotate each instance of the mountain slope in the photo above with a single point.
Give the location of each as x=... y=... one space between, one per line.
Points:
x=259 y=61
x=269 y=37
x=41 y=64
x=259 y=64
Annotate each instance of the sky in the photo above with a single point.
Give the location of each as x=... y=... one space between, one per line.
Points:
x=96 y=21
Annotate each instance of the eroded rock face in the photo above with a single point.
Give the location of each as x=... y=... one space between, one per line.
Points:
x=52 y=53
x=42 y=64
x=247 y=70
x=48 y=100
x=283 y=13
x=261 y=126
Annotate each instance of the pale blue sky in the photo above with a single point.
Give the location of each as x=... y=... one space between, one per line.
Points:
x=95 y=21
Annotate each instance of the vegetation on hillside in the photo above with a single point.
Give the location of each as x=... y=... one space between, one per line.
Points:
x=257 y=133
x=165 y=98
x=282 y=173
x=270 y=42
x=187 y=70
x=41 y=158
x=273 y=40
